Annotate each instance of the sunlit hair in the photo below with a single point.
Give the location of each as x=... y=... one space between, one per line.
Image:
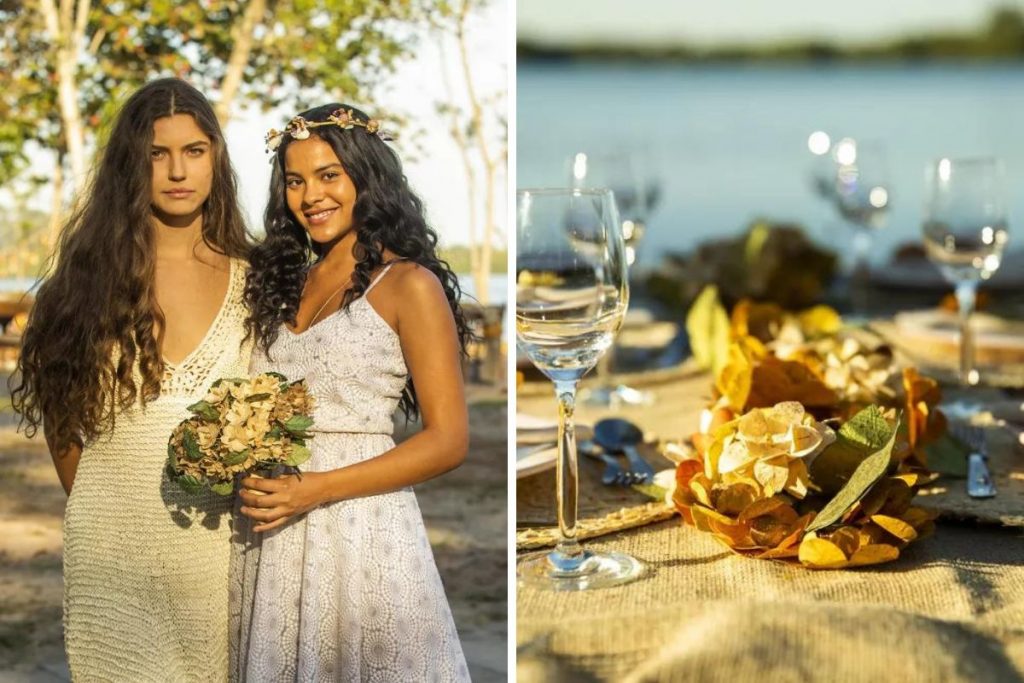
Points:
x=95 y=313
x=387 y=216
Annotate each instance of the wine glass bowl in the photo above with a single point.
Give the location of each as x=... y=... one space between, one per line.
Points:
x=572 y=292
x=965 y=230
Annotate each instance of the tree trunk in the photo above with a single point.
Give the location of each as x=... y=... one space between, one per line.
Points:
x=57 y=203
x=243 y=34
x=66 y=30
x=467 y=164
x=482 y=269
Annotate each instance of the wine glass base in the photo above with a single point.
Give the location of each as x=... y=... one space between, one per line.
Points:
x=598 y=570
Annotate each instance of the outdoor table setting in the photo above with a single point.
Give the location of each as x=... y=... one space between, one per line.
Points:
x=803 y=487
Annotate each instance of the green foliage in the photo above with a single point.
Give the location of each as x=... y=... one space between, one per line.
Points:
x=1001 y=38
x=303 y=52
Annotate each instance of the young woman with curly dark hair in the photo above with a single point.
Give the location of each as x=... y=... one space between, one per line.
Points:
x=141 y=310
x=347 y=291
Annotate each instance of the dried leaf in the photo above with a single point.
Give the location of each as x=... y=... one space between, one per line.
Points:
x=708 y=327
x=895 y=526
x=820 y=553
x=846 y=539
x=765 y=506
x=874 y=554
x=735 y=498
x=768 y=531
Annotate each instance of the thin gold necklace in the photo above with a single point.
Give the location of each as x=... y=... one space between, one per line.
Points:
x=336 y=292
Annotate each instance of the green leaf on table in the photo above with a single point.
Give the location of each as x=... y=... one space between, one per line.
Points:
x=204 y=410
x=652 y=491
x=223 y=488
x=947 y=455
x=298 y=424
x=859 y=457
x=707 y=323
x=297 y=455
x=863 y=434
x=192 y=451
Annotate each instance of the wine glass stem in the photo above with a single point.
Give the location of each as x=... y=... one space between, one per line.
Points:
x=965 y=297
x=569 y=553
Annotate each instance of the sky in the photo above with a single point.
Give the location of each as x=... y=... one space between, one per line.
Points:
x=433 y=164
x=711 y=22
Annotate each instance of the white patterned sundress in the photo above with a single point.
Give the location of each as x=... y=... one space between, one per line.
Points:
x=349 y=591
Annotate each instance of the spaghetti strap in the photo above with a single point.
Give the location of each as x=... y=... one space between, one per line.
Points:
x=381 y=275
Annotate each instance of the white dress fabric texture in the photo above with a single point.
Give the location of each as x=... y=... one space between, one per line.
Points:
x=146 y=564
x=349 y=591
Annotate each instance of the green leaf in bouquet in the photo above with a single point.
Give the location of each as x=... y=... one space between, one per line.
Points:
x=275 y=433
x=223 y=488
x=192 y=450
x=171 y=455
x=257 y=397
x=865 y=434
x=298 y=424
x=297 y=455
x=190 y=484
x=276 y=375
x=708 y=326
x=205 y=411
x=236 y=458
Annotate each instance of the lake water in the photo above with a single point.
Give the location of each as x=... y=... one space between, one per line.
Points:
x=729 y=143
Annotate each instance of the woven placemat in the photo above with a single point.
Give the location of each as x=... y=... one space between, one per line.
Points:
x=626 y=518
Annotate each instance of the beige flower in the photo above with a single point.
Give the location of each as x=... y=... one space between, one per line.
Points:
x=235 y=437
x=772 y=446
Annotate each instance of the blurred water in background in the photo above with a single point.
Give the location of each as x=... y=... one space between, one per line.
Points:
x=729 y=142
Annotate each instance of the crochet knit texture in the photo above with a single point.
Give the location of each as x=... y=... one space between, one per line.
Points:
x=145 y=564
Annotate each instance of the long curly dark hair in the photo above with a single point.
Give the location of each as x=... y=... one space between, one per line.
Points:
x=94 y=315
x=387 y=215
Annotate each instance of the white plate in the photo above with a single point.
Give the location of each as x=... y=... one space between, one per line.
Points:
x=534 y=459
x=934 y=326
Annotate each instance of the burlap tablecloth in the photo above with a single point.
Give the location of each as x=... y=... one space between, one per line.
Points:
x=950 y=609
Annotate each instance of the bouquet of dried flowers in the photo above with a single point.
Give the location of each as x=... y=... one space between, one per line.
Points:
x=243 y=425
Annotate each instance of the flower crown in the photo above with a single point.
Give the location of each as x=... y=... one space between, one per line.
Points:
x=299 y=128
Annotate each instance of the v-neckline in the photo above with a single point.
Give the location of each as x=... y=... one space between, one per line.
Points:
x=174 y=365
x=318 y=323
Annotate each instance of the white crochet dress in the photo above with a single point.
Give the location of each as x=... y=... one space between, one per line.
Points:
x=350 y=591
x=145 y=564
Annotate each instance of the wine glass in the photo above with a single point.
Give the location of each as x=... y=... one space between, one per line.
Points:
x=965 y=233
x=620 y=172
x=861 y=194
x=571 y=295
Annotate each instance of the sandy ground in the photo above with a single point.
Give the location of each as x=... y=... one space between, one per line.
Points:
x=465 y=512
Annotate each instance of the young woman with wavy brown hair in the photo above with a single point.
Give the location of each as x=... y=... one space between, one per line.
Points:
x=141 y=310
x=337 y=580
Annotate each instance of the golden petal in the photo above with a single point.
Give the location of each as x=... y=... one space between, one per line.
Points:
x=874 y=554
x=819 y=553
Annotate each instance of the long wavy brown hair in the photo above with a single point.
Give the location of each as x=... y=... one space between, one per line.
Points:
x=95 y=313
